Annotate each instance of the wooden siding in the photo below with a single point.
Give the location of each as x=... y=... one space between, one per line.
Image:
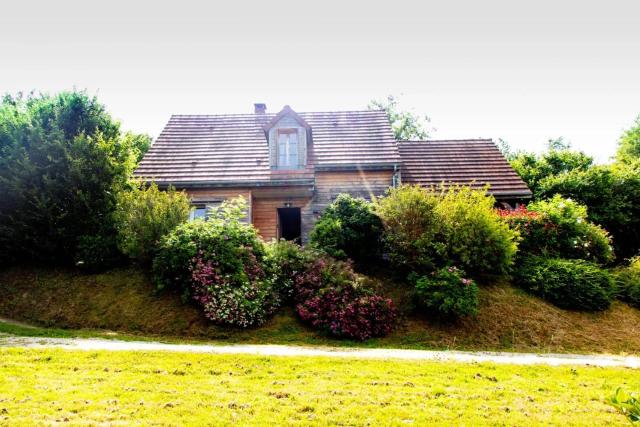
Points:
x=265 y=214
x=264 y=202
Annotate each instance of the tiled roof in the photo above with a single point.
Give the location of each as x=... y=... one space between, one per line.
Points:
x=233 y=149
x=473 y=162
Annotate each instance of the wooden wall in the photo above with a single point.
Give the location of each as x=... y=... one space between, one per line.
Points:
x=264 y=202
x=265 y=214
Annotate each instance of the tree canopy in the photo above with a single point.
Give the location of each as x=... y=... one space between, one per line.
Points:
x=406 y=125
x=629 y=144
x=62 y=160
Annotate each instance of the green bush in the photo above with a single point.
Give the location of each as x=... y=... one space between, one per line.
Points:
x=427 y=229
x=97 y=253
x=284 y=261
x=612 y=194
x=413 y=231
x=219 y=262
x=558 y=228
x=627 y=280
x=477 y=239
x=144 y=215
x=348 y=228
x=571 y=284
x=223 y=235
x=446 y=293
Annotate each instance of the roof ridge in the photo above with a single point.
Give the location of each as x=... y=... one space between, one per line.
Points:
x=273 y=114
x=445 y=140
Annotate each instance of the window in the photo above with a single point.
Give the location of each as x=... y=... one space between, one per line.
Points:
x=201 y=209
x=288 y=148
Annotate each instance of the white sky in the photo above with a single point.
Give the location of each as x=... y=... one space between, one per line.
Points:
x=499 y=69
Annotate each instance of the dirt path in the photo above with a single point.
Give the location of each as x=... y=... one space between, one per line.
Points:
x=93 y=344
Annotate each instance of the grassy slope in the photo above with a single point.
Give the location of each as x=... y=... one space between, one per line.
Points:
x=123 y=301
x=50 y=386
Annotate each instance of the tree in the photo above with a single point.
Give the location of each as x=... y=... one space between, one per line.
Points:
x=629 y=144
x=560 y=158
x=62 y=160
x=405 y=125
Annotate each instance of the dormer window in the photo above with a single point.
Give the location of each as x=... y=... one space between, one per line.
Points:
x=287 y=148
x=288 y=136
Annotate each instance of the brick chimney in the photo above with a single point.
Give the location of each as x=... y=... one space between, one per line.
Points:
x=259 y=108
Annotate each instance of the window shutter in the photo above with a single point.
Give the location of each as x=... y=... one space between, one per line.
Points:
x=273 y=152
x=302 y=147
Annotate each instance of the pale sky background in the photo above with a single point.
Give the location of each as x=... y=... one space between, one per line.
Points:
x=522 y=71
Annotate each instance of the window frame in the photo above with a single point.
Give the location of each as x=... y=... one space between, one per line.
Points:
x=287 y=131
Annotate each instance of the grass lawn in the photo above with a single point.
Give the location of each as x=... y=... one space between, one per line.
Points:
x=49 y=386
x=123 y=302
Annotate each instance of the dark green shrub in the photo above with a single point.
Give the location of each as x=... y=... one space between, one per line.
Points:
x=627 y=280
x=97 y=253
x=348 y=228
x=446 y=293
x=144 y=215
x=427 y=229
x=571 y=284
x=62 y=161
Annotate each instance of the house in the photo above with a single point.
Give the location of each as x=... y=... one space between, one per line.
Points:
x=289 y=166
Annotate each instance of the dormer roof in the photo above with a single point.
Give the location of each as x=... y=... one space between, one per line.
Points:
x=286 y=112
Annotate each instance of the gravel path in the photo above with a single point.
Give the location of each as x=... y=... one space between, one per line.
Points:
x=92 y=344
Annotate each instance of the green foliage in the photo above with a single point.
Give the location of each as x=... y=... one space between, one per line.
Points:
x=284 y=261
x=144 y=215
x=627 y=280
x=446 y=293
x=405 y=125
x=97 y=253
x=425 y=229
x=477 y=238
x=62 y=160
x=223 y=236
x=412 y=227
x=570 y=284
x=562 y=230
x=612 y=193
x=628 y=404
x=559 y=159
x=629 y=144
x=349 y=228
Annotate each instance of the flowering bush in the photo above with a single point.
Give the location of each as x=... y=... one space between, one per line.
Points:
x=219 y=264
x=447 y=293
x=242 y=299
x=329 y=297
x=572 y=284
x=349 y=312
x=284 y=261
x=559 y=228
